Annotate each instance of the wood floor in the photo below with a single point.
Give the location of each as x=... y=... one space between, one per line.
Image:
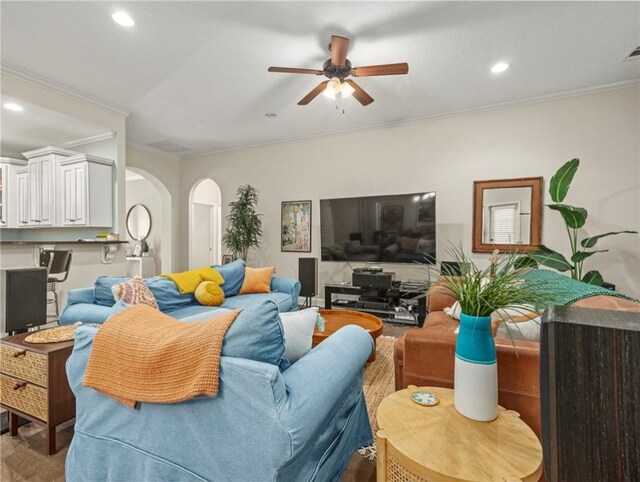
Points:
x=23 y=458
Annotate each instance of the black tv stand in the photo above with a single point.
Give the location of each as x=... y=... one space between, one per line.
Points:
x=404 y=303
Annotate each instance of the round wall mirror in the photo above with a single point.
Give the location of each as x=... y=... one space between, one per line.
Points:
x=138 y=222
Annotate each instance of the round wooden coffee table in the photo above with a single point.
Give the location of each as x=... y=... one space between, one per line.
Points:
x=417 y=443
x=336 y=319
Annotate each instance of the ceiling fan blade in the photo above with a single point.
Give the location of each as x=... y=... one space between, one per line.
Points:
x=339 y=46
x=289 y=70
x=314 y=93
x=359 y=93
x=387 y=69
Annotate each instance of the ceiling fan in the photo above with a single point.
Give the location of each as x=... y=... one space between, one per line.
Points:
x=337 y=69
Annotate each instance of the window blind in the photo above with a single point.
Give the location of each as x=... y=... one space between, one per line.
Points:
x=503 y=223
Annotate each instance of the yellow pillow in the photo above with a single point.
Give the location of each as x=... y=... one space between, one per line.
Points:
x=209 y=293
x=209 y=274
x=257 y=280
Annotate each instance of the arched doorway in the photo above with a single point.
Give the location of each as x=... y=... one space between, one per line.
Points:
x=144 y=188
x=205 y=224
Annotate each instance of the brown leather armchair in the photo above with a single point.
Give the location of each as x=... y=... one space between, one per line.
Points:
x=425 y=356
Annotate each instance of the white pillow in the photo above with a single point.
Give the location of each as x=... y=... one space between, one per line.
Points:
x=298 y=332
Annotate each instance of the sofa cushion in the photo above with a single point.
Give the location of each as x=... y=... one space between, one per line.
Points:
x=209 y=293
x=134 y=292
x=167 y=295
x=257 y=280
x=256 y=334
x=298 y=332
x=103 y=285
x=233 y=274
x=196 y=312
x=282 y=300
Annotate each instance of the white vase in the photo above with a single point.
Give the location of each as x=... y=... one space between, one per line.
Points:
x=476 y=370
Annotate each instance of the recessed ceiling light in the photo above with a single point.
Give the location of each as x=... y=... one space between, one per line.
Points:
x=123 y=19
x=499 y=67
x=13 y=106
x=271 y=115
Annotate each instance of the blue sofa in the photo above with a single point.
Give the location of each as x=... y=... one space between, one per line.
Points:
x=96 y=304
x=269 y=422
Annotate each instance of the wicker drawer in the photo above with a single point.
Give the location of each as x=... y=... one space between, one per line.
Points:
x=23 y=396
x=30 y=366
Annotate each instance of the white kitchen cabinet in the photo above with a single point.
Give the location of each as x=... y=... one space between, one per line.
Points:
x=86 y=191
x=43 y=167
x=21 y=201
x=9 y=217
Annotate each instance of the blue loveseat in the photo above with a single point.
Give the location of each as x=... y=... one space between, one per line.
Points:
x=269 y=422
x=95 y=304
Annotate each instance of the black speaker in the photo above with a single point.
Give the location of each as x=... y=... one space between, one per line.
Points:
x=590 y=394
x=450 y=268
x=308 y=276
x=23 y=296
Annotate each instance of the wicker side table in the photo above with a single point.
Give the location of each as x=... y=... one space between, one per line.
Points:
x=424 y=444
x=34 y=384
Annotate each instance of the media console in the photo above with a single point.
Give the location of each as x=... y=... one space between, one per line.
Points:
x=403 y=302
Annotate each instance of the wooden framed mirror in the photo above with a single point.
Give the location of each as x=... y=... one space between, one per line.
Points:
x=507 y=215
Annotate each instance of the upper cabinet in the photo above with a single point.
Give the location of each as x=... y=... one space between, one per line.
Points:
x=86 y=191
x=43 y=193
x=9 y=168
x=56 y=188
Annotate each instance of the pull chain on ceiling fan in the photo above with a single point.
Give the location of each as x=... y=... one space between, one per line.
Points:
x=337 y=69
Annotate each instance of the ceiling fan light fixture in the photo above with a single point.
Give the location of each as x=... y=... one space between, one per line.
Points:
x=332 y=89
x=346 y=89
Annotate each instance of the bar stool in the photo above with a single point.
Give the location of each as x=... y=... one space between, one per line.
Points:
x=58 y=264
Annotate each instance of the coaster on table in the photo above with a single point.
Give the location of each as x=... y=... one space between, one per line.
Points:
x=426 y=399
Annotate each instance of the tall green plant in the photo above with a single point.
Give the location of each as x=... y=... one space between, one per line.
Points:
x=244 y=226
x=481 y=291
x=574 y=219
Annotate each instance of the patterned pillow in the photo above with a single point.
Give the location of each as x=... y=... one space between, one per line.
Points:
x=134 y=292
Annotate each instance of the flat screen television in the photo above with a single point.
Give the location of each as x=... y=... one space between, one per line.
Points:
x=398 y=228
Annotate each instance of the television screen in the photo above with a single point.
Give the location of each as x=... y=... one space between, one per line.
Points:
x=379 y=229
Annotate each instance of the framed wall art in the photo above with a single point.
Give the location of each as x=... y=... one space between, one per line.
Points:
x=295 y=229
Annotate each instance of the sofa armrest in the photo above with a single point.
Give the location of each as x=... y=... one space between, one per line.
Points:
x=287 y=285
x=81 y=295
x=439 y=298
x=326 y=379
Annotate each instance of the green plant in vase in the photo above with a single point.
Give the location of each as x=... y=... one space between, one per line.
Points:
x=574 y=219
x=244 y=225
x=480 y=293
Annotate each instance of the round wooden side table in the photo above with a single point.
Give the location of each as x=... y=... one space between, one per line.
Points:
x=417 y=443
x=336 y=319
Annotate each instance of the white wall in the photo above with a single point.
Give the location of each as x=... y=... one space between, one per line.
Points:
x=446 y=156
x=164 y=172
x=141 y=191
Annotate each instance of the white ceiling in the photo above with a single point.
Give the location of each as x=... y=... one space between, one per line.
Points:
x=37 y=127
x=195 y=73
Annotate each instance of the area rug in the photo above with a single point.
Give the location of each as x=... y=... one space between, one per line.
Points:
x=378 y=383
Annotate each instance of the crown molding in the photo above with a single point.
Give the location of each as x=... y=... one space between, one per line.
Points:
x=62 y=89
x=154 y=151
x=437 y=116
x=91 y=139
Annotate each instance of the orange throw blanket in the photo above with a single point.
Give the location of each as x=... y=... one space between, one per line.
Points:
x=143 y=355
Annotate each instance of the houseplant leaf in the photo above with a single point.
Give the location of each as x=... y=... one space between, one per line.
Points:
x=579 y=256
x=552 y=259
x=591 y=241
x=593 y=277
x=525 y=262
x=561 y=180
x=573 y=217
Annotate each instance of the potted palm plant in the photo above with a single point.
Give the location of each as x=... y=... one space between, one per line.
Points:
x=244 y=226
x=480 y=293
